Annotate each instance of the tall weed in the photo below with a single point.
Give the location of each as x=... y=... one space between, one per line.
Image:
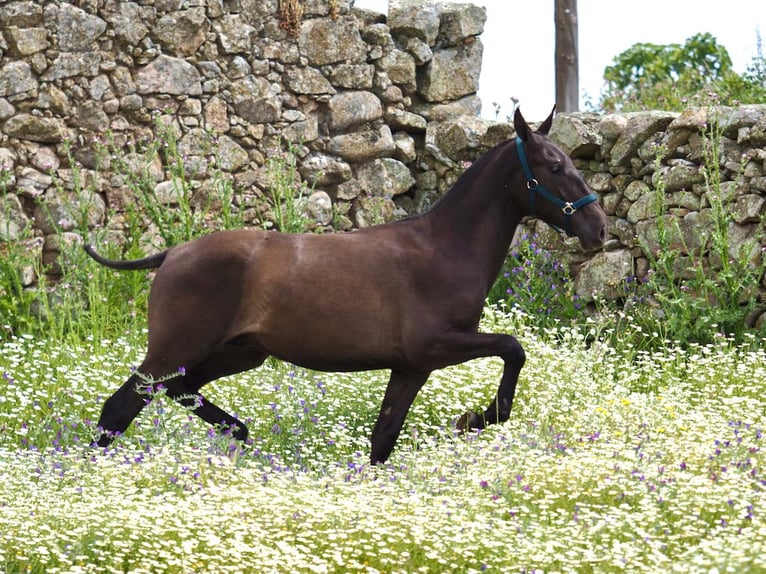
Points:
x=288 y=206
x=699 y=294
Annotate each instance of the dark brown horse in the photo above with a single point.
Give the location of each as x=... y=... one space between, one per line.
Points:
x=405 y=296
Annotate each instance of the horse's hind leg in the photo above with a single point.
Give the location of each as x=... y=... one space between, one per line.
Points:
x=120 y=409
x=228 y=360
x=209 y=412
x=401 y=391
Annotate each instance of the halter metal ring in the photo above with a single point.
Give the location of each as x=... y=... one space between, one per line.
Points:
x=532 y=184
x=568 y=208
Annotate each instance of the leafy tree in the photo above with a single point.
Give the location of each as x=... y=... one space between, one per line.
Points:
x=657 y=76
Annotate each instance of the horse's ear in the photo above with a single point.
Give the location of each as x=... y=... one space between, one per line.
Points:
x=545 y=127
x=521 y=125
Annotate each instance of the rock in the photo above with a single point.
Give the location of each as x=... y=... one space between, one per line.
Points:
x=350 y=76
x=420 y=51
x=44 y=159
x=169 y=192
x=15 y=223
x=65 y=210
x=364 y=145
x=348 y=190
x=350 y=109
x=182 y=32
x=739 y=120
x=329 y=41
x=605 y=274
x=91 y=116
x=373 y=211
x=636 y=189
x=575 y=136
x=37 y=129
x=68 y=65
x=743 y=243
x=307 y=81
x=385 y=177
x=235 y=34
x=689 y=122
x=467 y=106
x=378 y=35
x=254 y=100
x=76 y=29
x=645 y=207
x=16 y=78
x=323 y=170
x=230 y=155
x=24 y=42
x=678 y=176
x=319 y=208
x=400 y=67
x=167 y=75
x=24 y=14
x=216 y=116
x=638 y=128
x=126 y=21
x=302 y=131
x=458 y=139
x=601 y=183
x=451 y=74
x=748 y=208
x=406 y=150
x=497 y=133
x=8 y=159
x=283 y=52
x=647 y=232
x=460 y=22
x=412 y=18
x=400 y=119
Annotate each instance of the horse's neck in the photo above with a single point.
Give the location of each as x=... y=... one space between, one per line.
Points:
x=476 y=218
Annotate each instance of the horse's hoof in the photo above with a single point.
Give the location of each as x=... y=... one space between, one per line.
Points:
x=469 y=421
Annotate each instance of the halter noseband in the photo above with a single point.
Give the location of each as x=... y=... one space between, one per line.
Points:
x=534 y=187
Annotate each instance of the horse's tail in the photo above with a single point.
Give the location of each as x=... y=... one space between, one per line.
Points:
x=150 y=262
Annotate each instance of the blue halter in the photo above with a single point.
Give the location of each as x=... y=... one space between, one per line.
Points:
x=534 y=187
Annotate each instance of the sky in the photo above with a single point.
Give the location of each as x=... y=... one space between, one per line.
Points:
x=519 y=39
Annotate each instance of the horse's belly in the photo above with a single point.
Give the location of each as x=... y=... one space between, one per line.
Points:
x=335 y=345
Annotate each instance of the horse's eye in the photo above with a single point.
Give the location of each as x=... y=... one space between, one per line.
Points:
x=556 y=167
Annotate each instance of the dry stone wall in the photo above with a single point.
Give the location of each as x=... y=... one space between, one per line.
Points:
x=381 y=111
x=349 y=91
x=661 y=173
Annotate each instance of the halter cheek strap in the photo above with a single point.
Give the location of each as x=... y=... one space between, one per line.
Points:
x=567 y=207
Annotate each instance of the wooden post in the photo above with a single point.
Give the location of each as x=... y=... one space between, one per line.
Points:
x=567 y=74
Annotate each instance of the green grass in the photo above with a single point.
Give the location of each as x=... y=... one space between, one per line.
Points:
x=614 y=460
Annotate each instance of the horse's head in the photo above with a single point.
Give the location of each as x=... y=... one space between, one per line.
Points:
x=555 y=190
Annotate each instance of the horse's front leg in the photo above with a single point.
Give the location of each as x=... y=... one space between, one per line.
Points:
x=400 y=392
x=459 y=347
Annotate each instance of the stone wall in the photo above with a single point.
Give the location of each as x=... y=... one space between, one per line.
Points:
x=350 y=91
x=662 y=172
x=381 y=111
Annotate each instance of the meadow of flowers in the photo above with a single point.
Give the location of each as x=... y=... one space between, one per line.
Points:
x=614 y=460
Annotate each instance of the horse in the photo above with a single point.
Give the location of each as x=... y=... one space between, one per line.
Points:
x=404 y=296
